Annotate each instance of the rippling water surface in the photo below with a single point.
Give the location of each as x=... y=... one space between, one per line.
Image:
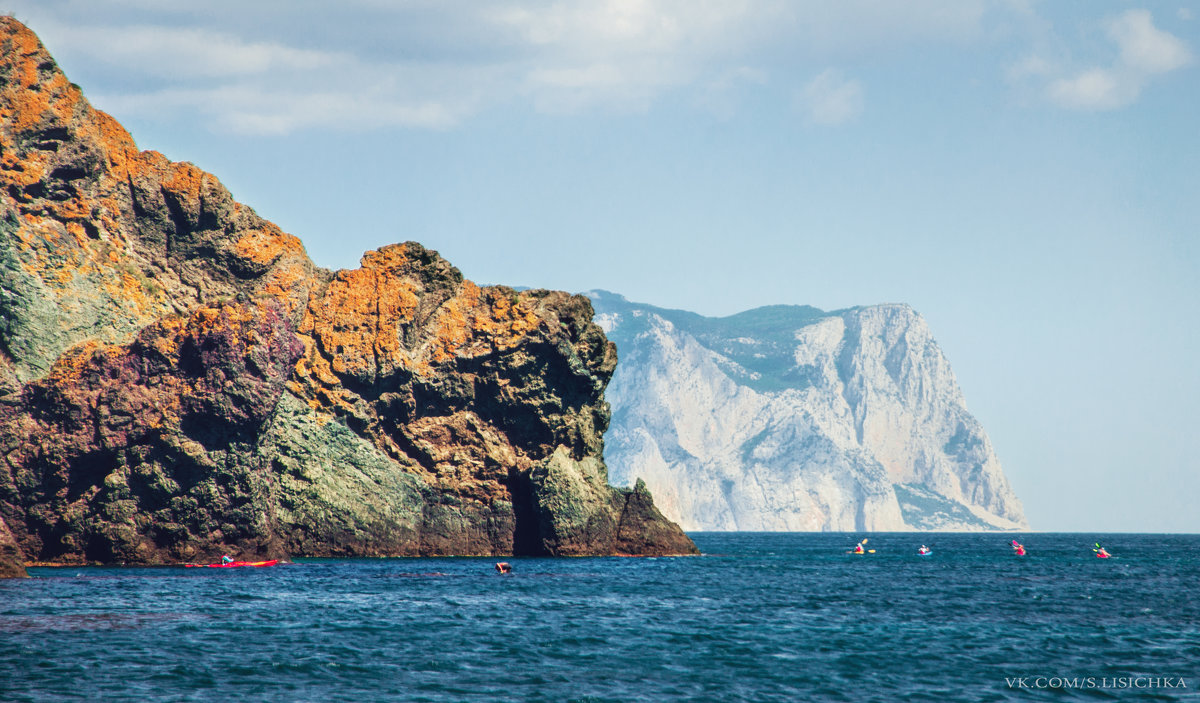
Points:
x=760 y=617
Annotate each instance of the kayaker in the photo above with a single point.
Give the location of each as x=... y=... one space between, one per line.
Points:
x=858 y=548
x=923 y=550
x=1102 y=553
x=503 y=567
x=226 y=559
x=1018 y=548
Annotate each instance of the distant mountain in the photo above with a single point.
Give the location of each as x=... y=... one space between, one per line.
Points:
x=792 y=418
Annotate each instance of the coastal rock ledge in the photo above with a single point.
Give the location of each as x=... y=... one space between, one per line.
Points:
x=178 y=380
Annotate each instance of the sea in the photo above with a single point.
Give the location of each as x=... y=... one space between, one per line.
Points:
x=758 y=617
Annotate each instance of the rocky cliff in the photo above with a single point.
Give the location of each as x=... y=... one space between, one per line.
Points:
x=791 y=418
x=11 y=560
x=178 y=380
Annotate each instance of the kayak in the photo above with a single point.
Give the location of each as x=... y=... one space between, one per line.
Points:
x=925 y=554
x=1104 y=556
x=269 y=562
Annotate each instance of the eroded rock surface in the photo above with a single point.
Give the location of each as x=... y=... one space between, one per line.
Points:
x=179 y=380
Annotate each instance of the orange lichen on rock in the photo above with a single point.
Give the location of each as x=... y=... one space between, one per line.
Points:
x=394 y=256
x=265 y=246
x=283 y=256
x=237 y=320
x=23 y=42
x=397 y=304
x=76 y=231
x=22 y=172
x=184 y=179
x=454 y=327
x=313 y=380
x=287 y=282
x=469 y=324
x=76 y=208
x=167 y=343
x=345 y=322
x=28 y=96
x=366 y=323
x=117 y=144
x=64 y=97
x=71 y=365
x=512 y=318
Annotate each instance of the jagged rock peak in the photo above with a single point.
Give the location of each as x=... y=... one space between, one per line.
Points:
x=98 y=239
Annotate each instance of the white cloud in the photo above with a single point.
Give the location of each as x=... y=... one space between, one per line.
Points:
x=189 y=53
x=622 y=54
x=1143 y=52
x=1146 y=48
x=246 y=109
x=1096 y=89
x=434 y=63
x=831 y=99
x=623 y=26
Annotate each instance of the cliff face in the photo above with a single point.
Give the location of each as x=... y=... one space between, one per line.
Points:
x=790 y=418
x=179 y=380
x=11 y=560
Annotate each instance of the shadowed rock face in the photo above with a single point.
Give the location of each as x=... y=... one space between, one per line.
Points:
x=136 y=452
x=180 y=381
x=11 y=560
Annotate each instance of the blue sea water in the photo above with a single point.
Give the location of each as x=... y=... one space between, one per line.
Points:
x=759 y=617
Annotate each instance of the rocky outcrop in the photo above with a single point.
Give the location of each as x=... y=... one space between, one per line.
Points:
x=135 y=453
x=791 y=418
x=12 y=562
x=178 y=380
x=98 y=239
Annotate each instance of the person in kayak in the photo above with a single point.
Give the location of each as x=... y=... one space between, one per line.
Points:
x=1018 y=548
x=503 y=567
x=1102 y=553
x=858 y=548
x=226 y=559
x=923 y=550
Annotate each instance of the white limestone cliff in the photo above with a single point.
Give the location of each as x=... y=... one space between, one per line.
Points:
x=790 y=418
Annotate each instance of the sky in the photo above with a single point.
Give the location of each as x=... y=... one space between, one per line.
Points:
x=1022 y=173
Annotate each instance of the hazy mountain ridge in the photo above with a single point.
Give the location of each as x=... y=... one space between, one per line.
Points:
x=791 y=418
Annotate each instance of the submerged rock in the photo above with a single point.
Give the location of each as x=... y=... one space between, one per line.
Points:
x=179 y=380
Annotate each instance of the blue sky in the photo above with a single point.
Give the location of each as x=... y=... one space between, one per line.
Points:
x=1024 y=174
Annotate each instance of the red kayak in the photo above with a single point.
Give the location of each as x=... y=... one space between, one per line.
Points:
x=269 y=562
